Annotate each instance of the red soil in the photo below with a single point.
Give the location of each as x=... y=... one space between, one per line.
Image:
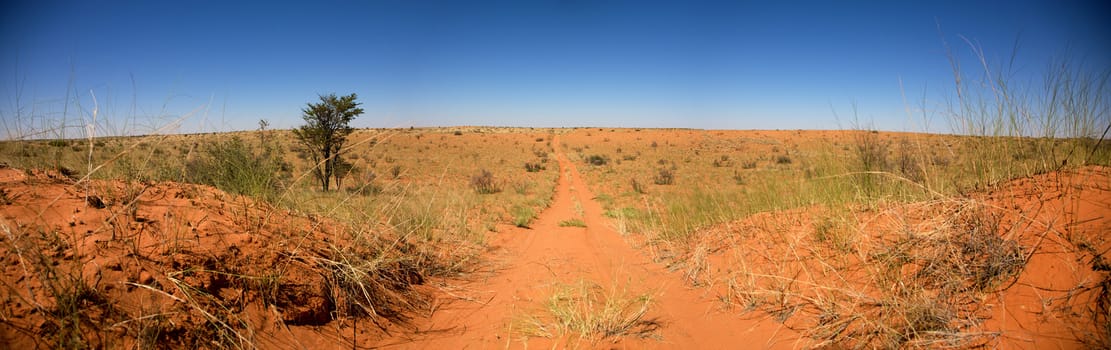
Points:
x=137 y=258
x=184 y=249
x=536 y=258
x=1060 y=220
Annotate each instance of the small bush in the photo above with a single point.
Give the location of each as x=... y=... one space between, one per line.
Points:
x=722 y=162
x=533 y=167
x=58 y=143
x=664 y=177
x=783 y=159
x=484 y=183
x=597 y=160
x=395 y=171
x=908 y=163
x=749 y=165
x=522 y=215
x=457 y=133
x=234 y=167
x=871 y=151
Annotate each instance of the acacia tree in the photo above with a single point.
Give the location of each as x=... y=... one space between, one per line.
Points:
x=325 y=131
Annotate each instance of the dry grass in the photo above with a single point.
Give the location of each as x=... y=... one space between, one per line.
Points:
x=839 y=281
x=588 y=311
x=366 y=248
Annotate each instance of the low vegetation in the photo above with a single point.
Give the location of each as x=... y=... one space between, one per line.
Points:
x=925 y=276
x=588 y=311
x=271 y=238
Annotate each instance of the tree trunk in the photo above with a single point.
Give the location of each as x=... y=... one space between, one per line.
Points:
x=327 y=171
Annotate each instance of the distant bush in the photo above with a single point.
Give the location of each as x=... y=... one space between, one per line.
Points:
x=783 y=159
x=723 y=161
x=871 y=151
x=908 y=163
x=597 y=160
x=749 y=165
x=484 y=183
x=533 y=167
x=457 y=133
x=664 y=177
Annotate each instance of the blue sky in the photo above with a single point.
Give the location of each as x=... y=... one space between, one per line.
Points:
x=730 y=65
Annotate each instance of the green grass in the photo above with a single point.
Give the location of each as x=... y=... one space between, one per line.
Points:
x=523 y=215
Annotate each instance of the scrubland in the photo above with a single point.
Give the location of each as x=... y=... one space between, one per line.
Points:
x=990 y=235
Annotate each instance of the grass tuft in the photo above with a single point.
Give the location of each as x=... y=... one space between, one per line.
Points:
x=587 y=311
x=572 y=223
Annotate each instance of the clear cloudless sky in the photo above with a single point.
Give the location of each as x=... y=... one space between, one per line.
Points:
x=730 y=65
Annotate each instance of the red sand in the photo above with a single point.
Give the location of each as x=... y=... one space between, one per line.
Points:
x=185 y=227
x=535 y=258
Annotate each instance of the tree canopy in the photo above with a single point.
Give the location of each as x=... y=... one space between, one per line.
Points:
x=327 y=125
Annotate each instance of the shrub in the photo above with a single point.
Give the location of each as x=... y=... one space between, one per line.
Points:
x=871 y=151
x=233 y=167
x=533 y=167
x=723 y=161
x=484 y=183
x=457 y=133
x=395 y=171
x=664 y=177
x=522 y=215
x=908 y=163
x=783 y=159
x=597 y=160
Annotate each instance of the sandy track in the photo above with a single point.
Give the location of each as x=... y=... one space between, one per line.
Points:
x=534 y=260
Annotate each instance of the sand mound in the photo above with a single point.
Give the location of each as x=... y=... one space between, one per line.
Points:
x=122 y=264
x=1021 y=265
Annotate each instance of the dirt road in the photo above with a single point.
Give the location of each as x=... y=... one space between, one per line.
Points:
x=535 y=260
